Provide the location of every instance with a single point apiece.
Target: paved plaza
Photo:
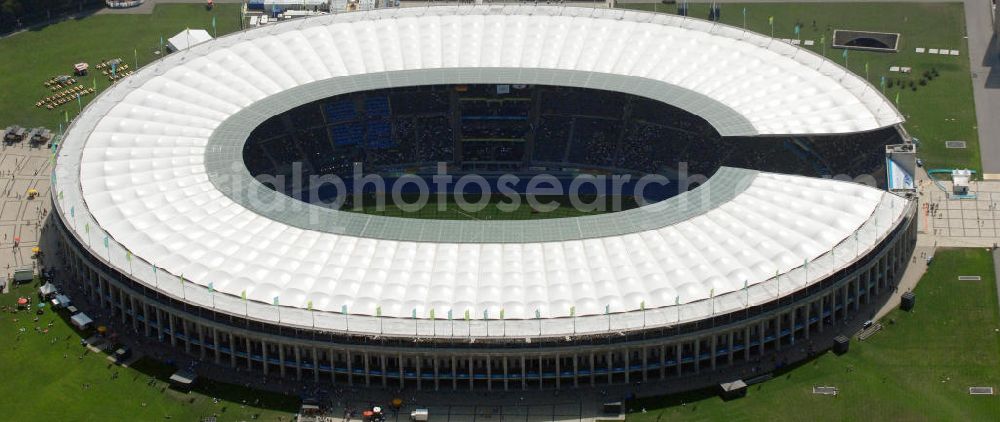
(945, 221)
(22, 168)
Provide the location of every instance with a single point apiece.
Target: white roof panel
(143, 155)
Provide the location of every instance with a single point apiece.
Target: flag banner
(275, 301)
(413, 313)
(432, 314)
(572, 311)
(378, 311)
(309, 305)
(466, 314)
(343, 309)
(211, 287)
(243, 294)
(538, 314)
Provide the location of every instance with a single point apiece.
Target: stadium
(167, 224)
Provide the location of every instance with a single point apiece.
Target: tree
(11, 7)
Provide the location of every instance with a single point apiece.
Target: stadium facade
(166, 227)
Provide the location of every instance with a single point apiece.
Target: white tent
(47, 289)
(60, 301)
(187, 38)
(81, 321)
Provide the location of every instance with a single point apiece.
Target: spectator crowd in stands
(478, 126)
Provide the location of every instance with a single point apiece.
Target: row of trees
(17, 14)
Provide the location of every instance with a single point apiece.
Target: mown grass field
(32, 57)
(919, 367)
(942, 110)
(50, 376)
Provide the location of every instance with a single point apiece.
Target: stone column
(697, 356)
(714, 345)
(541, 373)
(628, 365)
(576, 370)
(263, 347)
(419, 368)
(201, 339)
(333, 366)
(679, 358)
(368, 374)
(350, 367)
(399, 363)
(645, 364)
(173, 332)
(746, 343)
(558, 372)
(298, 363)
(663, 361)
(215, 346)
(249, 355)
(777, 332)
(506, 374)
(437, 376)
(489, 373)
(315, 356)
(611, 366)
(524, 373)
(592, 377)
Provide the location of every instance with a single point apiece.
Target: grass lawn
(940, 111)
(918, 368)
(33, 57)
(44, 377)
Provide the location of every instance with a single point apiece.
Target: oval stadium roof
(137, 173)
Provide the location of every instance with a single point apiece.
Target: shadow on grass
(690, 399)
(149, 367)
(219, 390)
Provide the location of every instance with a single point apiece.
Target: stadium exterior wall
(485, 364)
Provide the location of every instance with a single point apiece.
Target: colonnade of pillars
(553, 367)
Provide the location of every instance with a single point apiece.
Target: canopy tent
(81, 321)
(183, 379)
(60, 301)
(47, 289)
(187, 38)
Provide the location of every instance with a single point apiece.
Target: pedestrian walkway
(22, 168)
